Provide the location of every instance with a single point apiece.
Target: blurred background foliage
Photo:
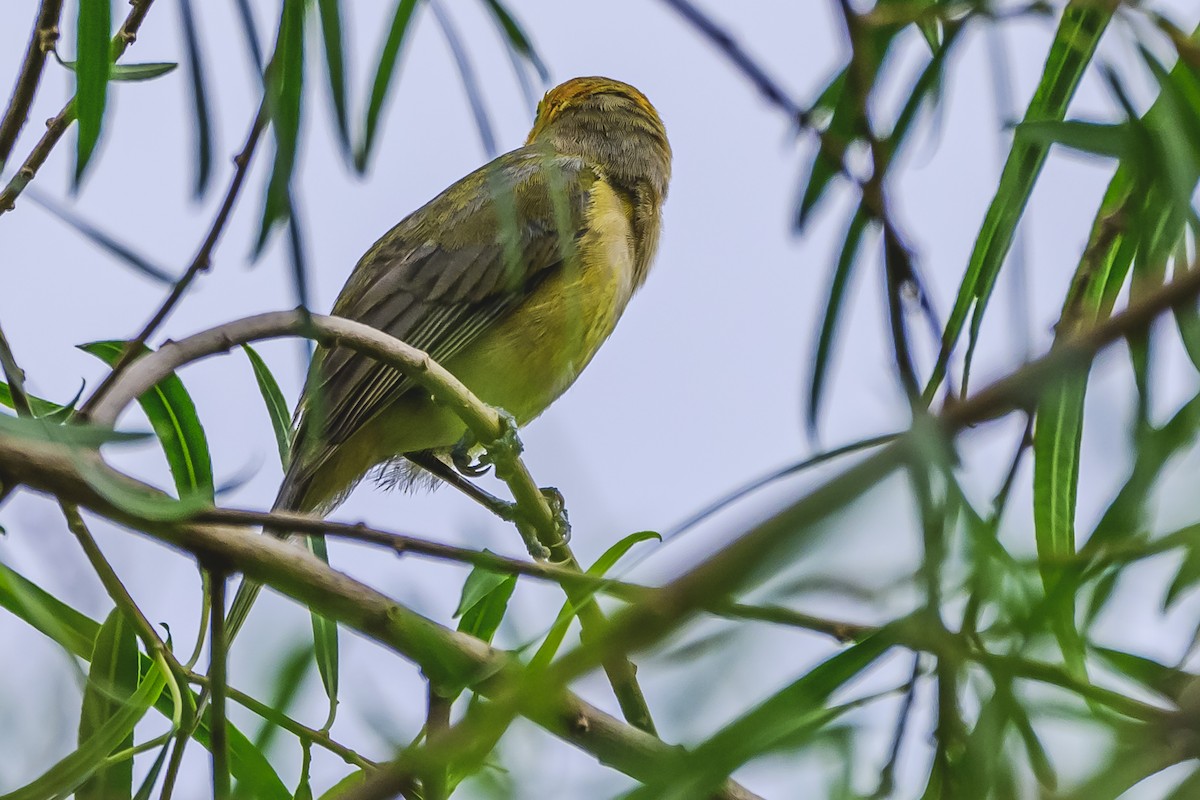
(981, 666)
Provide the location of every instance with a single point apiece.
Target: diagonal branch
(445, 656)
(57, 126)
(45, 32)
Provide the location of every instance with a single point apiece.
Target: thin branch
(41, 41)
(57, 126)
(200, 263)
(218, 661)
(445, 656)
(745, 63)
(531, 505)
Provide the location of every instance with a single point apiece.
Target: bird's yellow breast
(534, 353)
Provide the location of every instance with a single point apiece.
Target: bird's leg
(558, 507)
(460, 455)
(429, 462)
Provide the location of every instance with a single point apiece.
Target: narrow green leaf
(786, 719)
(479, 584)
(112, 680)
(1185, 579)
(1169, 682)
(518, 40)
(70, 772)
(144, 504)
(1109, 140)
(146, 790)
(335, 67)
(200, 113)
(88, 437)
(77, 633)
(285, 89)
(41, 408)
(344, 785)
(277, 409)
(384, 73)
(1058, 432)
(132, 73)
(483, 617)
(833, 309)
(288, 681)
(93, 25)
(173, 416)
(558, 631)
(1078, 33)
(325, 636)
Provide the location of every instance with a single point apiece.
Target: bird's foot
(460, 456)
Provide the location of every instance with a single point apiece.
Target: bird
(511, 279)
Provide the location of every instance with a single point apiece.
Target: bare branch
(45, 32)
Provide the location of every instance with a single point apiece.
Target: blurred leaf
(1113, 141)
(785, 720)
(93, 24)
(833, 309)
(518, 40)
(1187, 789)
(112, 680)
(344, 785)
(384, 73)
(138, 502)
(1101, 594)
(825, 165)
(277, 409)
(466, 73)
(203, 122)
(88, 437)
(119, 250)
(70, 772)
(1074, 43)
(173, 416)
(1185, 579)
(1188, 321)
(77, 633)
(287, 684)
(1163, 680)
(146, 790)
(285, 89)
(335, 68)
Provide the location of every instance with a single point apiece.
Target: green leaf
(88, 437)
(146, 790)
(484, 601)
(344, 785)
(518, 40)
(173, 416)
(1056, 441)
(203, 122)
(277, 409)
(285, 90)
(1078, 33)
(1185, 579)
(785, 720)
(1112, 141)
(325, 636)
(77, 633)
(478, 585)
(41, 408)
(562, 622)
(131, 73)
(137, 501)
(112, 680)
(70, 772)
(388, 58)
(93, 25)
(833, 309)
(1166, 681)
(335, 67)
(287, 684)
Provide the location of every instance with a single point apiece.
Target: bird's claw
(460, 456)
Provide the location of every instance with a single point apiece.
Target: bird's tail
(292, 496)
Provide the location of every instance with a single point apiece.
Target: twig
(887, 778)
(485, 423)
(446, 656)
(757, 74)
(200, 263)
(57, 126)
(437, 722)
(45, 32)
(217, 656)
